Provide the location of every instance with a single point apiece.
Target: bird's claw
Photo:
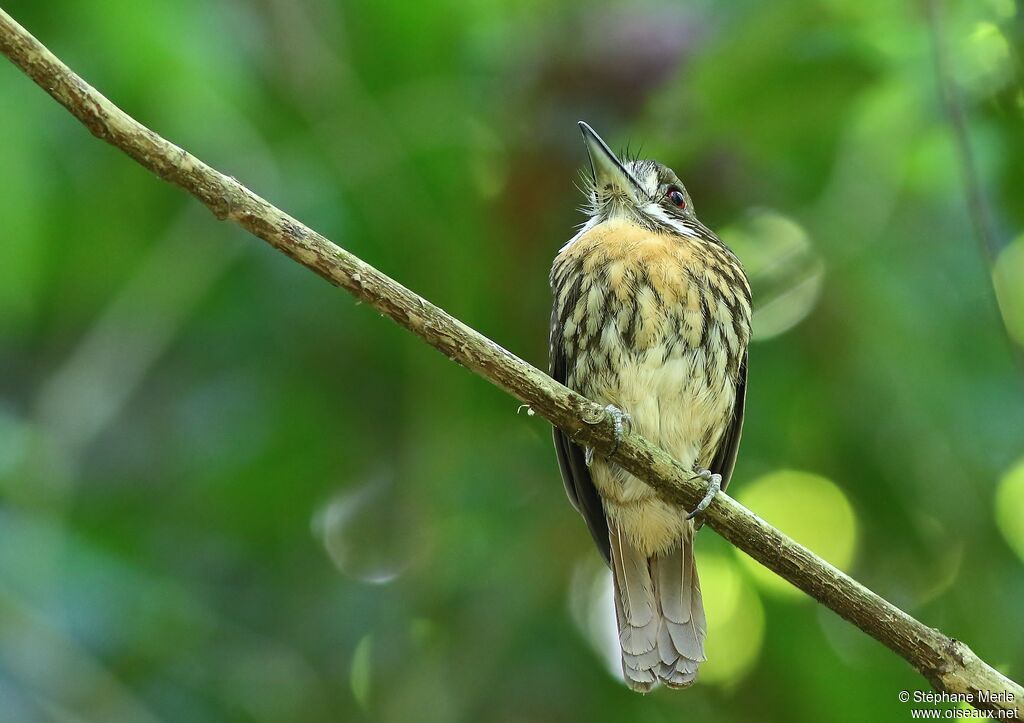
(714, 487)
(619, 419)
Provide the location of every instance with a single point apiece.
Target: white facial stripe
(646, 176)
(657, 212)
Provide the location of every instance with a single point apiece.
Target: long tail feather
(659, 611)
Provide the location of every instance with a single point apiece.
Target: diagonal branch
(947, 663)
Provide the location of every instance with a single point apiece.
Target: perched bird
(652, 318)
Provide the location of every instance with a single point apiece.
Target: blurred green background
(230, 493)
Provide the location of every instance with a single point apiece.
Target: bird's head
(642, 191)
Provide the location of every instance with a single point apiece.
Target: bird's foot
(714, 487)
(620, 419)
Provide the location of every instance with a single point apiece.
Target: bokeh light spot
(809, 508)
(943, 568)
(593, 611)
(984, 58)
(735, 621)
(359, 678)
(1008, 278)
(369, 532)
(1009, 506)
(785, 271)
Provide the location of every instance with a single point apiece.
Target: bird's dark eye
(676, 196)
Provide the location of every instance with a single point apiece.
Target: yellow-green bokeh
(809, 508)
(1008, 278)
(984, 55)
(1009, 506)
(361, 671)
(735, 621)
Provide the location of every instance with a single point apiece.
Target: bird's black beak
(610, 176)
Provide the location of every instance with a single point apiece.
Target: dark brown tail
(660, 613)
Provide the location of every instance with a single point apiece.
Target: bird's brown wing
(725, 457)
(572, 462)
